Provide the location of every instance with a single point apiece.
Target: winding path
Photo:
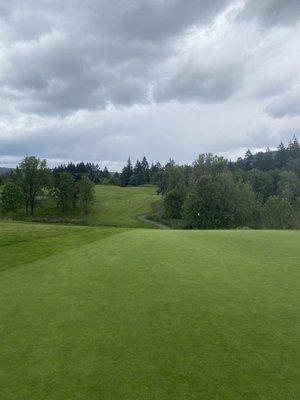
(143, 218)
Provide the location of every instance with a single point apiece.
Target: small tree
(11, 196)
(63, 189)
(31, 176)
(86, 193)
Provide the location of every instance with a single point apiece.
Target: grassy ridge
(146, 314)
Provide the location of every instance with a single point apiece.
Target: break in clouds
(99, 80)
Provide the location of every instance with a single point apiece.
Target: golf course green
(121, 313)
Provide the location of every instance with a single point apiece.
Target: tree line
(131, 175)
(32, 181)
(259, 190)
(92, 171)
(140, 174)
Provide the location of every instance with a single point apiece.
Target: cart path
(143, 217)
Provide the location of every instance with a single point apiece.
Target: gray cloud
(287, 105)
(156, 19)
(102, 79)
(272, 12)
(85, 55)
(214, 83)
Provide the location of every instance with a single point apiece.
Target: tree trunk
(31, 208)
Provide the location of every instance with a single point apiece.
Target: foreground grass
(22, 243)
(114, 206)
(146, 314)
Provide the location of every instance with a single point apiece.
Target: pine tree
(294, 148)
(138, 174)
(281, 156)
(249, 159)
(145, 168)
(105, 173)
(126, 173)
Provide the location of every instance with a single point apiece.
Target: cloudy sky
(99, 80)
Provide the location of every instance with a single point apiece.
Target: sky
(101, 80)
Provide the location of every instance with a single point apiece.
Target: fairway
(120, 206)
(110, 313)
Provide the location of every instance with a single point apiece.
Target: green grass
(107, 313)
(119, 206)
(22, 243)
(114, 206)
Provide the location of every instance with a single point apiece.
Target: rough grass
(114, 206)
(147, 314)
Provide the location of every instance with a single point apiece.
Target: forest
(261, 190)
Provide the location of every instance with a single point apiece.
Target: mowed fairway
(120, 206)
(148, 314)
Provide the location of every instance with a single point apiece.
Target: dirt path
(159, 225)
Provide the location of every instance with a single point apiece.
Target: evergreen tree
(115, 179)
(248, 160)
(105, 173)
(281, 156)
(155, 172)
(264, 160)
(294, 148)
(126, 173)
(146, 172)
(138, 174)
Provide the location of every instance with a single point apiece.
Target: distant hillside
(4, 170)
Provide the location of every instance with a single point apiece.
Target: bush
(11, 197)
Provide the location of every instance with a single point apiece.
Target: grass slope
(146, 314)
(120, 206)
(114, 206)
